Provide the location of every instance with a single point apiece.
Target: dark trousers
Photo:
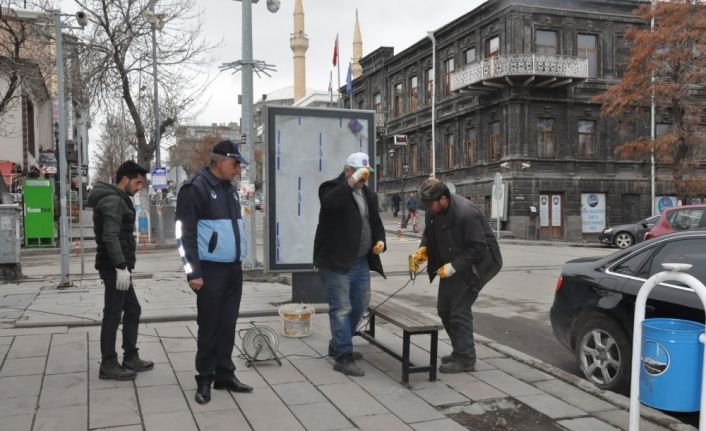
(410, 214)
(118, 303)
(454, 304)
(218, 303)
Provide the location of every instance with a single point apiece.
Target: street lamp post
(63, 168)
(247, 66)
(63, 221)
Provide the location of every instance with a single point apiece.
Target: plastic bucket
(671, 364)
(296, 319)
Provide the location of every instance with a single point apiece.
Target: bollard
(672, 273)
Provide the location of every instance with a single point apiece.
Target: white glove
(122, 281)
(446, 271)
(361, 174)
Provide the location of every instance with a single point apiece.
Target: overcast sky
(396, 23)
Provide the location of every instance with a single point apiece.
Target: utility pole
(63, 221)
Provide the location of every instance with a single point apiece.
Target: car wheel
(623, 240)
(603, 354)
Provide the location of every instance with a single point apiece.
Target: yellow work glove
(416, 258)
(379, 247)
(446, 271)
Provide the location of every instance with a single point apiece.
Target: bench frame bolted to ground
(412, 323)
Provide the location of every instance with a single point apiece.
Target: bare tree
(24, 56)
(115, 146)
(193, 154)
(667, 65)
(117, 62)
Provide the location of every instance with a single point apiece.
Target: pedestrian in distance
(349, 240)
(411, 208)
(211, 242)
(396, 201)
(113, 226)
(462, 250)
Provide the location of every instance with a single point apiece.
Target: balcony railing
(521, 69)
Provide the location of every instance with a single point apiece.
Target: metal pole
(63, 222)
(430, 34)
(671, 273)
(80, 193)
(653, 127)
(247, 84)
(158, 162)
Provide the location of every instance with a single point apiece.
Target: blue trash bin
(670, 366)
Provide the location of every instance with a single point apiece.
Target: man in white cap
(349, 239)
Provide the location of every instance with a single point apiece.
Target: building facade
(514, 82)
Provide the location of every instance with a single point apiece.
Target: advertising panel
(592, 212)
(306, 147)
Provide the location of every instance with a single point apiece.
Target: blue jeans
(348, 298)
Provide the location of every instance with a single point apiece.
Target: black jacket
(467, 240)
(114, 226)
(340, 225)
(209, 226)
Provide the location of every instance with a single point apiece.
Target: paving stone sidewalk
(164, 296)
(49, 381)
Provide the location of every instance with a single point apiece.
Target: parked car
(592, 313)
(625, 235)
(677, 219)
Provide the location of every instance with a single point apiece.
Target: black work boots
(112, 370)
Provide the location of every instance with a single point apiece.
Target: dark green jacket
(114, 226)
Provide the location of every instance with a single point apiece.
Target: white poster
(592, 212)
(544, 210)
(556, 210)
(305, 148)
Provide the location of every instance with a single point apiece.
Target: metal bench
(412, 323)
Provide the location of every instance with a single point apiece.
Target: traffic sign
(159, 178)
(498, 191)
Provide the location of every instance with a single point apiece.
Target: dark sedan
(625, 235)
(593, 308)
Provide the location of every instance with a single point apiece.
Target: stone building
(513, 87)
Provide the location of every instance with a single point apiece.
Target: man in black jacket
(456, 240)
(113, 225)
(211, 240)
(349, 239)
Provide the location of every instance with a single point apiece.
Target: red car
(677, 219)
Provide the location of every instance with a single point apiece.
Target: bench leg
(371, 325)
(432, 354)
(405, 356)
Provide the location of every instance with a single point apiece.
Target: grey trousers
(454, 302)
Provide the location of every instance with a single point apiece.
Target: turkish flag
(335, 51)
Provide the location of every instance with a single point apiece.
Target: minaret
(356, 68)
(299, 44)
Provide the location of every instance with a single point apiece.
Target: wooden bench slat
(405, 317)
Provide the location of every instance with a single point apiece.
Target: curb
(618, 400)
(83, 322)
(25, 252)
(515, 241)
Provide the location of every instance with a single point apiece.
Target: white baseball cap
(358, 160)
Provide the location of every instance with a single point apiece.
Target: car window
(685, 219)
(632, 265)
(650, 221)
(692, 250)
